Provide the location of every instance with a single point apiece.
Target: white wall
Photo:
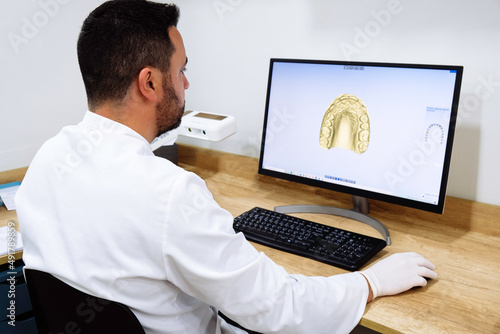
(229, 43)
(40, 89)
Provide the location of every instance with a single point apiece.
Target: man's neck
(135, 117)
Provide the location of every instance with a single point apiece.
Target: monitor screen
(376, 130)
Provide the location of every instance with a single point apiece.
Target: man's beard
(170, 109)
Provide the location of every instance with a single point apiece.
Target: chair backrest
(60, 308)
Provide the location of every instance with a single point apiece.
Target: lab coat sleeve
(207, 260)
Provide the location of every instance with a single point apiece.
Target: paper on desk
(7, 196)
(165, 139)
(10, 242)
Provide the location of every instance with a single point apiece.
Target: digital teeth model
(346, 125)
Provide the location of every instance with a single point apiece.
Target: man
(99, 211)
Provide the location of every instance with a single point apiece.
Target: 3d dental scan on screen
(347, 117)
(374, 130)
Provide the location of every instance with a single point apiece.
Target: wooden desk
(464, 244)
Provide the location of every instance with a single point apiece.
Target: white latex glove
(398, 273)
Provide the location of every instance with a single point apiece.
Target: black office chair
(59, 307)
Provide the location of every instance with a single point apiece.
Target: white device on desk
(196, 124)
(207, 125)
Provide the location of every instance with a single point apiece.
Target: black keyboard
(334, 246)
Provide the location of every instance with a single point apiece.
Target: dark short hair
(117, 40)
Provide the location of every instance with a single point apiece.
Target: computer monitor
(381, 131)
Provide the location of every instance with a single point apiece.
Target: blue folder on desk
(8, 185)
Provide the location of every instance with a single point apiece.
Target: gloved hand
(398, 273)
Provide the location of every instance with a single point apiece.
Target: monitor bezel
(439, 208)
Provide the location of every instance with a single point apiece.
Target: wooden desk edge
(377, 326)
(5, 258)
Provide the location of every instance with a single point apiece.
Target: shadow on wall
(464, 162)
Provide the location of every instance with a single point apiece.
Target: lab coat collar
(97, 122)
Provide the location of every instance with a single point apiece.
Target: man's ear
(149, 81)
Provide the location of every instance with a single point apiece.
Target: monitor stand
(359, 212)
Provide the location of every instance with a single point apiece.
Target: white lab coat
(98, 210)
